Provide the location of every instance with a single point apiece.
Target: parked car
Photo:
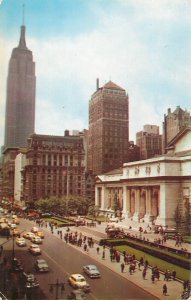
(92, 271)
(77, 281)
(20, 241)
(29, 280)
(41, 265)
(36, 240)
(28, 235)
(17, 265)
(77, 295)
(34, 249)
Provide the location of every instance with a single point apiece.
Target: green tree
(187, 218)
(116, 206)
(178, 218)
(64, 205)
(93, 210)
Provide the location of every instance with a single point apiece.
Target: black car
(41, 265)
(29, 280)
(17, 265)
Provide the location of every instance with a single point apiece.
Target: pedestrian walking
(164, 289)
(103, 254)
(144, 273)
(153, 278)
(97, 249)
(174, 275)
(122, 267)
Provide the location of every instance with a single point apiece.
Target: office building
(54, 167)
(149, 141)
(108, 138)
(20, 102)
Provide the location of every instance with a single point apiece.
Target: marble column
(148, 217)
(136, 214)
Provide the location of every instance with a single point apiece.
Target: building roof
(112, 86)
(178, 110)
(115, 171)
(178, 136)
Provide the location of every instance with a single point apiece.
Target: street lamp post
(57, 285)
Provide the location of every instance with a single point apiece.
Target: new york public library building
(149, 190)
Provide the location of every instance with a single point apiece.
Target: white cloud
(119, 50)
(50, 120)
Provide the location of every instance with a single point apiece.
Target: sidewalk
(174, 288)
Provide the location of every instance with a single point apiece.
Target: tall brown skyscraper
(108, 128)
(20, 102)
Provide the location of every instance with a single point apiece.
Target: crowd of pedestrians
(127, 262)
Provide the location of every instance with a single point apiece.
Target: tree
(64, 205)
(116, 206)
(178, 218)
(187, 218)
(93, 210)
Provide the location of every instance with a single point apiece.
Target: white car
(92, 271)
(77, 281)
(34, 249)
(21, 242)
(28, 235)
(36, 240)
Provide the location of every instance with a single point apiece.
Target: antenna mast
(23, 14)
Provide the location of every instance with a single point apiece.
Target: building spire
(22, 42)
(23, 15)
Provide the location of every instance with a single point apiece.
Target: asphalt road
(63, 260)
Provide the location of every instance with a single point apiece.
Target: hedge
(173, 258)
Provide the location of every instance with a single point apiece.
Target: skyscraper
(20, 102)
(173, 123)
(108, 128)
(149, 141)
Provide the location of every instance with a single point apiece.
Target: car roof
(77, 276)
(91, 266)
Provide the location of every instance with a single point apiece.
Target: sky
(144, 46)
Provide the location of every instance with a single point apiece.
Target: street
(64, 259)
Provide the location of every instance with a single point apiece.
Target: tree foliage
(64, 205)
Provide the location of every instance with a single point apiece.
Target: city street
(63, 260)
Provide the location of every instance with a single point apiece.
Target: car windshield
(81, 280)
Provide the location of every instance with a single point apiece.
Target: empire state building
(21, 90)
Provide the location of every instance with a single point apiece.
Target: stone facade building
(108, 140)
(173, 123)
(54, 167)
(8, 173)
(149, 141)
(134, 151)
(152, 189)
